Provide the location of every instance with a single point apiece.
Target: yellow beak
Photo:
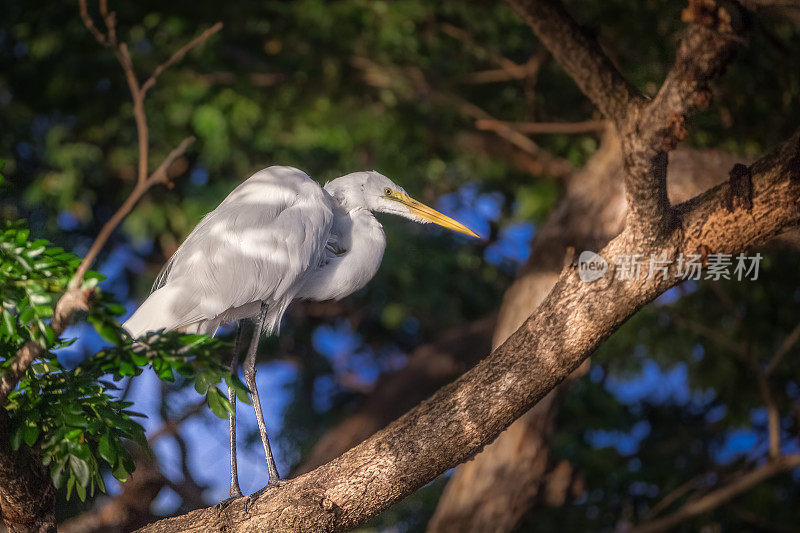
(430, 214)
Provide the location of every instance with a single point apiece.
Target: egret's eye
(387, 191)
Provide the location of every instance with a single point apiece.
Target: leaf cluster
(76, 419)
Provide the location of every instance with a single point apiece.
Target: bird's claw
(221, 506)
(251, 499)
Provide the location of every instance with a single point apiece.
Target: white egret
(278, 237)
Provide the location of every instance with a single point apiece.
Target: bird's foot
(273, 483)
(227, 501)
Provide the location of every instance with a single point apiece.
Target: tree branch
(177, 56)
(655, 129)
(581, 57)
(784, 348)
(722, 495)
(527, 71)
(586, 126)
(773, 416)
(159, 176)
(648, 130)
(462, 417)
(509, 70)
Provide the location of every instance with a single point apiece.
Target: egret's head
(374, 191)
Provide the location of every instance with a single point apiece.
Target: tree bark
(26, 494)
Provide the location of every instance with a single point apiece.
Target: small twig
(110, 20)
(398, 79)
(159, 176)
(773, 416)
(672, 497)
(710, 333)
(581, 57)
(511, 69)
(722, 495)
(543, 127)
(177, 56)
(787, 344)
(527, 71)
(89, 23)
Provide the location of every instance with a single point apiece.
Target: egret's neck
(348, 191)
(358, 240)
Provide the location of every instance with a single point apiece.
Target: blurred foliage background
(334, 87)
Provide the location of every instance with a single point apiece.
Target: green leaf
(17, 437)
(241, 390)
(70, 485)
(115, 309)
(108, 331)
(81, 470)
(201, 383)
(100, 483)
(80, 489)
(27, 315)
(218, 403)
(57, 472)
(120, 473)
(107, 449)
(9, 325)
(31, 434)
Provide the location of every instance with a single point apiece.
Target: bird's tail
(165, 308)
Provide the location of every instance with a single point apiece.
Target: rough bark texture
(27, 495)
(462, 417)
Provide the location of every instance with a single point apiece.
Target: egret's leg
(236, 492)
(250, 380)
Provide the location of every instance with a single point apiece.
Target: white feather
(278, 236)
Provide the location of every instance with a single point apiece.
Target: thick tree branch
(655, 129)
(722, 495)
(649, 130)
(581, 57)
(464, 416)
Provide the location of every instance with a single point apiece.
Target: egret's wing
(163, 274)
(256, 246)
